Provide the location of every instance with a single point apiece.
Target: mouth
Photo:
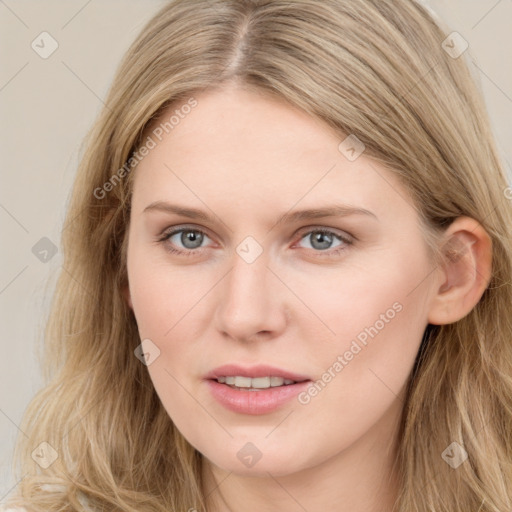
(242, 383)
(254, 390)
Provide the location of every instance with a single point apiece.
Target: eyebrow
(337, 210)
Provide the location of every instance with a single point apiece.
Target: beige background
(46, 106)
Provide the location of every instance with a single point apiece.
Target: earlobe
(465, 273)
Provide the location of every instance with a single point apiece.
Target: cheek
(339, 304)
(149, 304)
(168, 303)
(163, 305)
(161, 294)
(361, 382)
(379, 318)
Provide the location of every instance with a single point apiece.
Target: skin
(248, 159)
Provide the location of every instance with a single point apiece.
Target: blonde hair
(373, 69)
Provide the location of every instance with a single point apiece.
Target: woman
(287, 275)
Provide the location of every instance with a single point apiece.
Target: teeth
(243, 382)
(260, 382)
(255, 383)
(276, 381)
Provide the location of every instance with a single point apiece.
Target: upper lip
(234, 370)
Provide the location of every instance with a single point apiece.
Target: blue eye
(189, 241)
(322, 239)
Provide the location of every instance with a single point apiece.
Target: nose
(251, 302)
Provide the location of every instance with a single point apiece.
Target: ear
(126, 295)
(465, 273)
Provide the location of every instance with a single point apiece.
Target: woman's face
(272, 277)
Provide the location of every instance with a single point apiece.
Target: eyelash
(193, 252)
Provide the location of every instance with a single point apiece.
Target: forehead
(257, 151)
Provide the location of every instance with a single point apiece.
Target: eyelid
(172, 230)
(344, 235)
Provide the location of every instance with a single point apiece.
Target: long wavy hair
(378, 69)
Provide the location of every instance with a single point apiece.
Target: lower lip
(255, 402)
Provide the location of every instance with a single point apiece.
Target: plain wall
(47, 106)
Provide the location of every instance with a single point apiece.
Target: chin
(247, 461)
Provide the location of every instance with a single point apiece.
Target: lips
(254, 372)
(254, 390)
